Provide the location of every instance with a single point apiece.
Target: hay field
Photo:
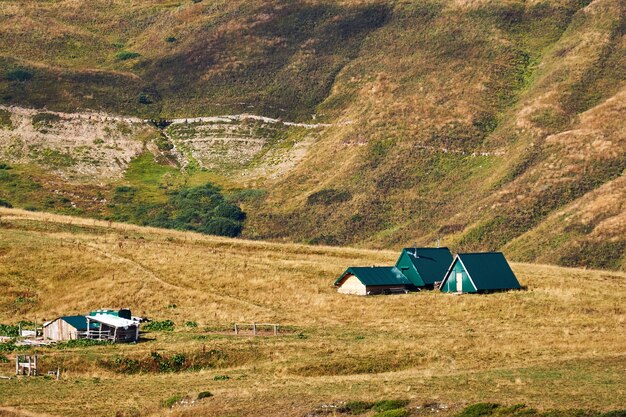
(559, 344)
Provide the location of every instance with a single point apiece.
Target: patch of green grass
(388, 405)
(356, 407)
(43, 121)
(172, 401)
(126, 55)
(204, 394)
(399, 412)
(19, 74)
(5, 119)
(159, 326)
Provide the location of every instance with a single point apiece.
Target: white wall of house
(352, 285)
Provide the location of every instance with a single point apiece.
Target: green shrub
(4, 203)
(172, 401)
(159, 326)
(5, 119)
(201, 209)
(9, 330)
(125, 55)
(5, 166)
(386, 405)
(163, 143)
(191, 324)
(478, 410)
(45, 120)
(229, 211)
(3, 359)
(144, 98)
(19, 74)
(170, 39)
(356, 407)
(222, 227)
(399, 412)
(204, 394)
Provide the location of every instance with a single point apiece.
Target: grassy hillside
(556, 345)
(478, 122)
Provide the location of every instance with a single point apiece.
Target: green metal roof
(376, 275)
(430, 263)
(489, 271)
(123, 313)
(78, 322)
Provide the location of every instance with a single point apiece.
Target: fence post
(254, 329)
(17, 365)
(275, 330)
(236, 330)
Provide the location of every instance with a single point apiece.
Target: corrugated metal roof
(111, 320)
(489, 271)
(376, 275)
(78, 322)
(431, 263)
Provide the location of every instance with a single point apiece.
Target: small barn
(372, 280)
(112, 327)
(479, 272)
(66, 328)
(424, 266)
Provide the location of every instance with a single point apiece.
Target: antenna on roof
(438, 242)
(415, 250)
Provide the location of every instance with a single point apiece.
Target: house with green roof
(372, 280)
(479, 273)
(424, 266)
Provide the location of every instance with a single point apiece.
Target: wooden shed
(424, 266)
(372, 280)
(479, 272)
(65, 328)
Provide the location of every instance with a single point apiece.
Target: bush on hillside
(5, 120)
(172, 401)
(4, 203)
(19, 74)
(45, 120)
(356, 407)
(204, 394)
(202, 209)
(125, 55)
(160, 326)
(9, 330)
(387, 405)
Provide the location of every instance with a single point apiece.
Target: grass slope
(474, 121)
(559, 344)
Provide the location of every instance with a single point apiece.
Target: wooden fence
(257, 327)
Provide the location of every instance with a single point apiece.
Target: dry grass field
(560, 344)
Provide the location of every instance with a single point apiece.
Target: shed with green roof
(424, 266)
(372, 280)
(67, 328)
(479, 272)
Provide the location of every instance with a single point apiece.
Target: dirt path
(242, 117)
(156, 277)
